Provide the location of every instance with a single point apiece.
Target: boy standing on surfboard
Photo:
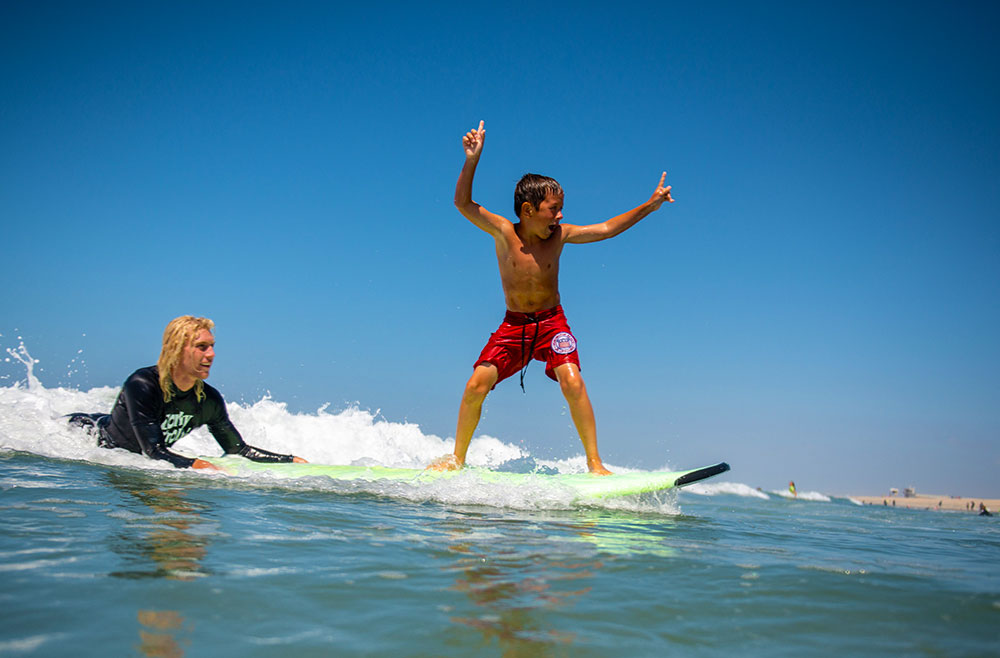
(534, 327)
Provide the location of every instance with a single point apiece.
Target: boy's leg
(484, 377)
(575, 392)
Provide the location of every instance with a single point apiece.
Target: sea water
(103, 552)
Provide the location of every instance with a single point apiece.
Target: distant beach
(932, 502)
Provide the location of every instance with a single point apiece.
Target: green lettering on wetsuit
(175, 427)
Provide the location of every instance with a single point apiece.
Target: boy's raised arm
(472, 142)
(616, 225)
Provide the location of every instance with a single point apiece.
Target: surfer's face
(196, 360)
(545, 219)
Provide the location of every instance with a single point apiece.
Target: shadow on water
(526, 573)
(159, 540)
(511, 588)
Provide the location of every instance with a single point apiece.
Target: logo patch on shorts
(563, 343)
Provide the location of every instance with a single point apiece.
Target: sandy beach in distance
(932, 502)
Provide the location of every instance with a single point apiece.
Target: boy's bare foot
(445, 463)
(598, 469)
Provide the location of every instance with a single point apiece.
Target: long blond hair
(178, 335)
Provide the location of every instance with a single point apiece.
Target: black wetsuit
(142, 422)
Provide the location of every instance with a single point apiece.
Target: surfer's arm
(150, 439)
(490, 222)
(621, 223)
(143, 403)
(261, 455)
(229, 438)
(233, 444)
(244, 449)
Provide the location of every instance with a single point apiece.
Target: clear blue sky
(820, 303)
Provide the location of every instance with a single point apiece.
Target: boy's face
(546, 217)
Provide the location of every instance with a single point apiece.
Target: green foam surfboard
(583, 484)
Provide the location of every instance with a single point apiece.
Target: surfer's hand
(661, 194)
(298, 460)
(446, 463)
(201, 463)
(472, 142)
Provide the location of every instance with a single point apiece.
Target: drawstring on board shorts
(529, 355)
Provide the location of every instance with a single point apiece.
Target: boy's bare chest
(530, 260)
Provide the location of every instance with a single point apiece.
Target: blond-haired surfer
(161, 404)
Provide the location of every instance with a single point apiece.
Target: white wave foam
(812, 496)
(32, 419)
(733, 488)
(27, 644)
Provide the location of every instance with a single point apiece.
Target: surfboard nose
(701, 474)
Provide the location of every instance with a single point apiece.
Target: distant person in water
(161, 404)
(534, 326)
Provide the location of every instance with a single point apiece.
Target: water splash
(32, 420)
(22, 355)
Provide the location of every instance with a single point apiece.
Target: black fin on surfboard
(701, 474)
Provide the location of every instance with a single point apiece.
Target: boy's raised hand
(661, 194)
(473, 142)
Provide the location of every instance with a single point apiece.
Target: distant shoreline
(931, 502)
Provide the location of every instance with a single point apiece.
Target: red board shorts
(544, 335)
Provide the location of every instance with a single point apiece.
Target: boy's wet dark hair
(533, 188)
